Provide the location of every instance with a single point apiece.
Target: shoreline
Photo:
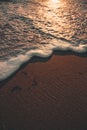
(43, 59)
(46, 93)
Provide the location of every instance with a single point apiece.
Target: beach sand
(49, 94)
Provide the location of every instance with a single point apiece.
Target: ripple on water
(29, 28)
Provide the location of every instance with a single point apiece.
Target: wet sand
(49, 95)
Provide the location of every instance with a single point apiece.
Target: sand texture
(46, 95)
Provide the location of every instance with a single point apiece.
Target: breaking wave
(30, 29)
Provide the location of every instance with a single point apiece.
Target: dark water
(37, 27)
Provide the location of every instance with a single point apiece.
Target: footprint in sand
(16, 89)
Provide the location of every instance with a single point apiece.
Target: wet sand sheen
(46, 95)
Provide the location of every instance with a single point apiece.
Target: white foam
(8, 67)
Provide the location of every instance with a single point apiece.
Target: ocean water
(38, 27)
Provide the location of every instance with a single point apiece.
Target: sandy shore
(49, 95)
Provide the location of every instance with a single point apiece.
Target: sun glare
(54, 1)
(53, 4)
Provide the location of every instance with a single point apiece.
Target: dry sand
(49, 95)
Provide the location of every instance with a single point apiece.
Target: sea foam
(34, 28)
(8, 67)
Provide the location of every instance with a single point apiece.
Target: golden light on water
(49, 2)
(53, 4)
(54, 1)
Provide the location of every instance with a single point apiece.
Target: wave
(31, 28)
(9, 66)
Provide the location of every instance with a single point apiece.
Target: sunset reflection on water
(61, 18)
(36, 24)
